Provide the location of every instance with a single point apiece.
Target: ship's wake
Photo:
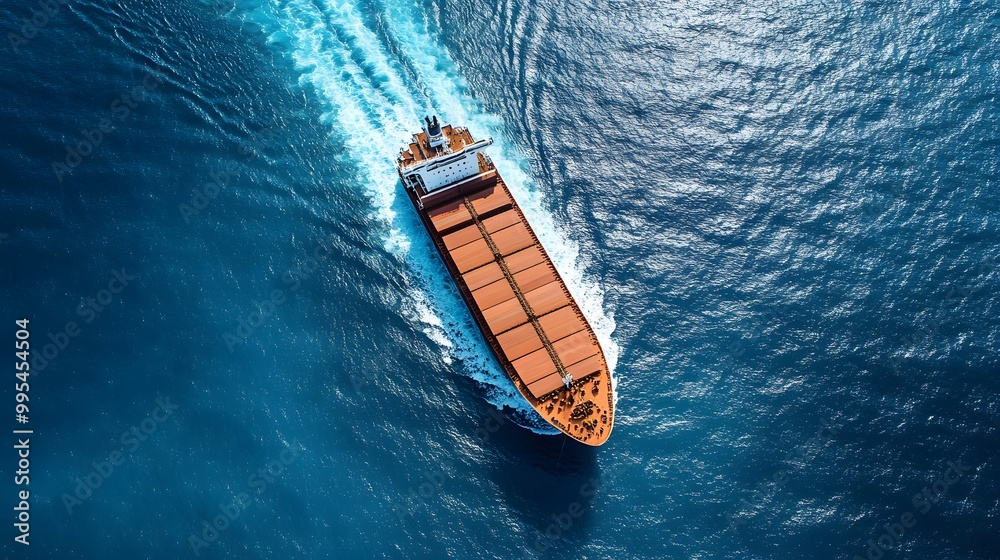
(378, 69)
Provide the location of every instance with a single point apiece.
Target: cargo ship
(526, 314)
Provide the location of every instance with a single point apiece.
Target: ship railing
(485, 163)
(454, 190)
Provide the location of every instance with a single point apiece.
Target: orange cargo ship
(521, 304)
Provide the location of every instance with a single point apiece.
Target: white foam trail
(447, 90)
(374, 111)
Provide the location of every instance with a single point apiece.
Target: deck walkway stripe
(498, 256)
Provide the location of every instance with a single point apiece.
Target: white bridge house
(450, 159)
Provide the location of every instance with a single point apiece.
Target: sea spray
(373, 96)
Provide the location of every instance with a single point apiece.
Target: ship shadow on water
(552, 482)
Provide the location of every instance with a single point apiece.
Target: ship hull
(528, 318)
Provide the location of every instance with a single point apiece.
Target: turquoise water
(781, 220)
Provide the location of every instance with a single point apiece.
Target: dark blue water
(781, 218)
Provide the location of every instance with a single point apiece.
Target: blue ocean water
(782, 219)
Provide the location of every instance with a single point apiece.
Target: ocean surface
(783, 219)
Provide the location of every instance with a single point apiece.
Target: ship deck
(420, 150)
(526, 313)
